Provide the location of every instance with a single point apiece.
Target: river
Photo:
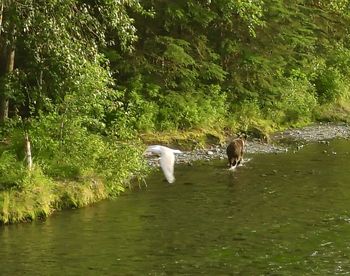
(279, 214)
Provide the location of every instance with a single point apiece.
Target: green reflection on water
(284, 214)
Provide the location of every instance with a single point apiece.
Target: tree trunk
(28, 151)
(7, 61)
(1, 12)
(8, 65)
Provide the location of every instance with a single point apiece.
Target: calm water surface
(284, 214)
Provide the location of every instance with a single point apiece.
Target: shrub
(243, 114)
(35, 198)
(329, 85)
(203, 108)
(295, 104)
(67, 150)
(12, 172)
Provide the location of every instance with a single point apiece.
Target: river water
(279, 214)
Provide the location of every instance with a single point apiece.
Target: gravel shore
(280, 142)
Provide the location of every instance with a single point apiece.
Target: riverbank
(48, 196)
(279, 142)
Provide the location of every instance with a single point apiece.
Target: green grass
(41, 196)
(334, 112)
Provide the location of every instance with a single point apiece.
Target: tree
(7, 53)
(51, 39)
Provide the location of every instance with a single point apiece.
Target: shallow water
(279, 214)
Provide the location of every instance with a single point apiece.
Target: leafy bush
(336, 112)
(142, 113)
(248, 117)
(244, 114)
(204, 108)
(67, 150)
(295, 104)
(12, 172)
(119, 164)
(329, 85)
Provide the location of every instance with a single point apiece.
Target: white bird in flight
(167, 159)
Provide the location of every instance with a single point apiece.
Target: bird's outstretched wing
(167, 161)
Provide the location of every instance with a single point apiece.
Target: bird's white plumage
(167, 160)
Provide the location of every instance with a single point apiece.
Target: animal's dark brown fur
(235, 151)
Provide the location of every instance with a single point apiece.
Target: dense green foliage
(85, 78)
(201, 64)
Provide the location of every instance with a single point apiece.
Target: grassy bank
(255, 123)
(42, 196)
(72, 167)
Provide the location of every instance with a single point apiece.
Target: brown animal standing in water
(235, 151)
